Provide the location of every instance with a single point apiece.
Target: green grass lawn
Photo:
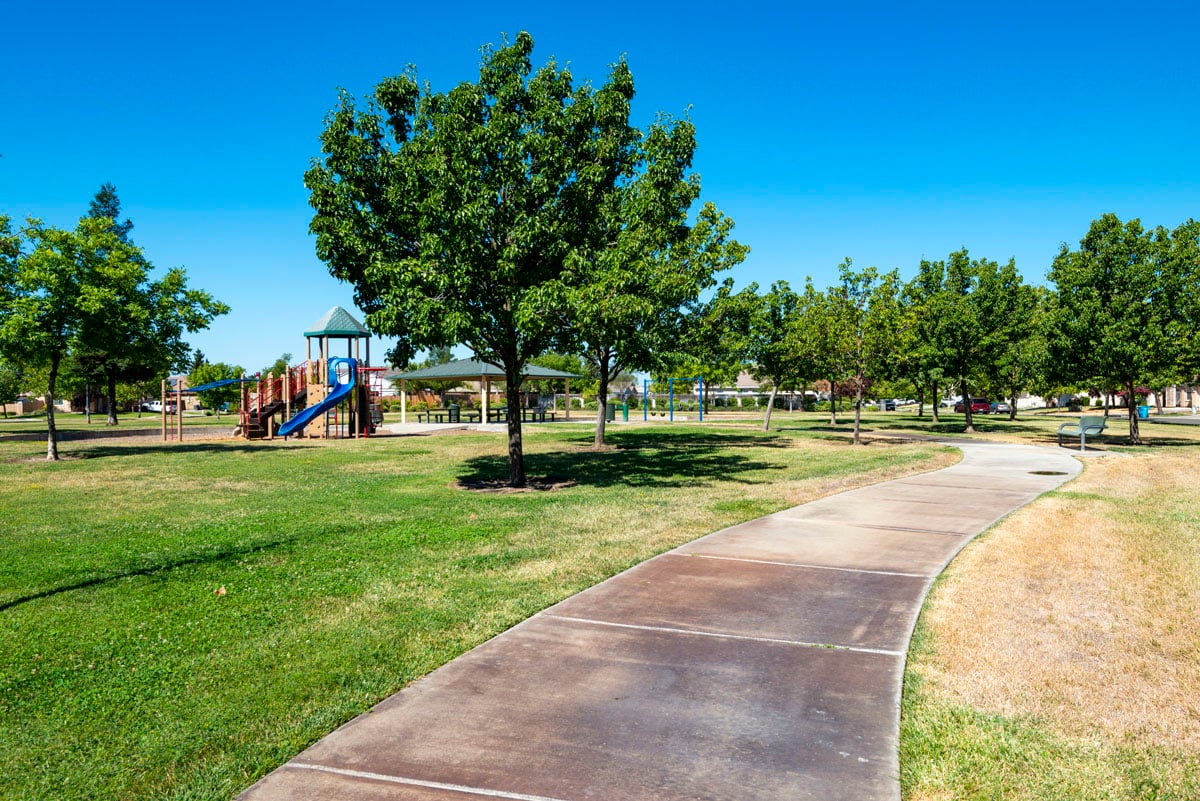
(178, 619)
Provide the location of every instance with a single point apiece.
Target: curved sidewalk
(760, 663)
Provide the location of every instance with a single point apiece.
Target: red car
(978, 406)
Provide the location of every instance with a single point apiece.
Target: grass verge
(1058, 657)
(178, 619)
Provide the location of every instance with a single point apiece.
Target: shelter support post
(403, 401)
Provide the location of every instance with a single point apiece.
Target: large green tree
(454, 215)
(134, 326)
(51, 287)
(1118, 321)
(966, 318)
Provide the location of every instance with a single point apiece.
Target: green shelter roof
(337, 322)
(468, 369)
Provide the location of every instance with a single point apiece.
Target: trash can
(610, 412)
(1143, 412)
(452, 414)
(625, 412)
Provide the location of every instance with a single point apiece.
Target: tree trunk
(770, 406)
(1012, 409)
(601, 403)
(935, 404)
(962, 388)
(112, 401)
(858, 395)
(516, 457)
(1135, 436)
(832, 404)
(921, 402)
(51, 430)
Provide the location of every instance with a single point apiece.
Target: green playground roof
(337, 322)
(472, 368)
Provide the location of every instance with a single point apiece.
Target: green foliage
(479, 215)
(586, 384)
(278, 367)
(11, 383)
(970, 314)
(1125, 306)
(208, 373)
(134, 326)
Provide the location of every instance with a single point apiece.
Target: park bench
(1088, 425)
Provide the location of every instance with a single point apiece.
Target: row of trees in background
(84, 302)
(1122, 310)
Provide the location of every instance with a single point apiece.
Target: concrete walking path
(760, 663)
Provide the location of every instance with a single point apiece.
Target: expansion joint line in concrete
(721, 636)
(454, 788)
(804, 566)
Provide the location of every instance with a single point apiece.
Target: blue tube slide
(343, 385)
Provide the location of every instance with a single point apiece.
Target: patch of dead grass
(1081, 609)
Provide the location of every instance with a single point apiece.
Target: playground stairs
(258, 420)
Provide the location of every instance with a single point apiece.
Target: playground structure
(333, 396)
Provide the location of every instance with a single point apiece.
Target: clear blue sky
(885, 132)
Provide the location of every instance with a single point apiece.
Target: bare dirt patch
(500, 485)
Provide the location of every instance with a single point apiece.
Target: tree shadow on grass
(146, 449)
(659, 459)
(208, 556)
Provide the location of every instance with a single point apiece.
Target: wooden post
(162, 409)
(567, 414)
(179, 408)
(403, 401)
(486, 384)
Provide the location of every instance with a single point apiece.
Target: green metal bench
(1090, 425)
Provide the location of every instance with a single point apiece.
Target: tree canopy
(1121, 317)
(476, 216)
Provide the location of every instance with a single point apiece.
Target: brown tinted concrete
(760, 662)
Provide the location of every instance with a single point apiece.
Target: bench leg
(1082, 442)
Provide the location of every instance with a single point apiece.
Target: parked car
(1000, 407)
(157, 406)
(978, 406)
(888, 405)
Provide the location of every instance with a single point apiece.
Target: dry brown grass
(1081, 610)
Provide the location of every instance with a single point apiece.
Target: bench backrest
(1091, 421)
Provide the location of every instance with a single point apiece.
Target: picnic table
(500, 415)
(448, 416)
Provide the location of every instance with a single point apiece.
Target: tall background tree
(455, 215)
(12, 380)
(965, 320)
(870, 324)
(208, 373)
(1115, 324)
(133, 328)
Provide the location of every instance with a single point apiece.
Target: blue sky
(884, 132)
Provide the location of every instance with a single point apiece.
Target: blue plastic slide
(342, 385)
